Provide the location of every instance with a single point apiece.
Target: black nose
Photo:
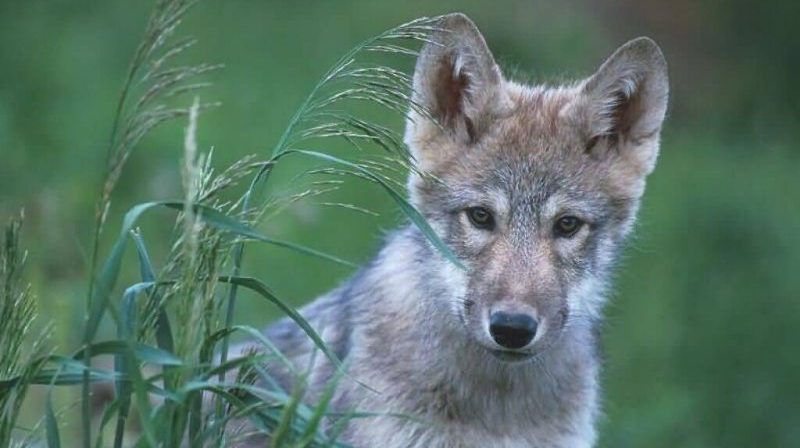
(512, 330)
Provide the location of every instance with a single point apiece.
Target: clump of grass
(17, 313)
(171, 351)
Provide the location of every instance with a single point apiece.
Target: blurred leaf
(144, 353)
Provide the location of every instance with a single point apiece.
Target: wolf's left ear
(627, 100)
(458, 84)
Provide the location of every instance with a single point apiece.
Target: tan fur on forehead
(539, 108)
(535, 115)
(543, 128)
(604, 129)
(531, 128)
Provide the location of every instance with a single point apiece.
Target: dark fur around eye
(567, 226)
(480, 217)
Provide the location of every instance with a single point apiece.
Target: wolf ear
(456, 82)
(627, 101)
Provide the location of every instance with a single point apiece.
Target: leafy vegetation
(172, 326)
(699, 338)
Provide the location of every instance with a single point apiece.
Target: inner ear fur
(626, 101)
(457, 82)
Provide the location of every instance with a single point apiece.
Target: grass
(172, 368)
(17, 310)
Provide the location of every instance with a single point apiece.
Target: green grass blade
(224, 222)
(67, 377)
(409, 210)
(164, 337)
(68, 371)
(280, 436)
(126, 331)
(109, 274)
(141, 391)
(105, 283)
(51, 424)
(145, 265)
(108, 413)
(257, 335)
(320, 411)
(143, 352)
(257, 286)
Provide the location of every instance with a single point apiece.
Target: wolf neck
(411, 323)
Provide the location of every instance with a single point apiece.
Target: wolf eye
(567, 226)
(480, 218)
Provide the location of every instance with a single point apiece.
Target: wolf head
(534, 188)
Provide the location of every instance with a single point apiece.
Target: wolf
(534, 189)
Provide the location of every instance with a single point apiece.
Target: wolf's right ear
(456, 82)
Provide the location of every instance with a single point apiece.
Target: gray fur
(412, 326)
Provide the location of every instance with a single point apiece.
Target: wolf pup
(534, 188)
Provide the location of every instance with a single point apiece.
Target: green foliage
(17, 312)
(177, 318)
(699, 339)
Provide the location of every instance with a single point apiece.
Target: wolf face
(533, 187)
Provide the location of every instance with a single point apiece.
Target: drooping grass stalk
(398, 86)
(183, 312)
(148, 71)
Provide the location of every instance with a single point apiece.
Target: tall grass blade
(262, 289)
(51, 424)
(133, 119)
(164, 337)
(409, 210)
(224, 222)
(143, 352)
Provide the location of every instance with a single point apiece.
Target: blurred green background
(701, 343)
